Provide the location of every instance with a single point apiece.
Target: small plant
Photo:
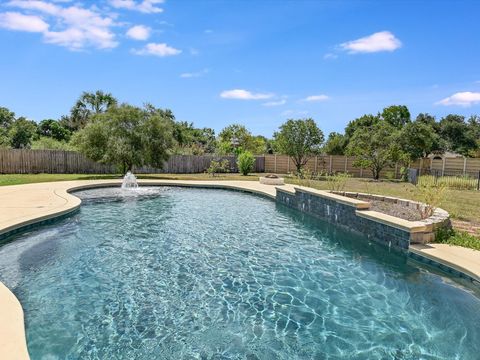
(338, 181)
(305, 177)
(432, 195)
(217, 167)
(452, 237)
(246, 162)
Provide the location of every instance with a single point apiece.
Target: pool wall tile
(345, 215)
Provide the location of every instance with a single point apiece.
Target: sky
(253, 62)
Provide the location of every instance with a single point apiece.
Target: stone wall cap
(402, 224)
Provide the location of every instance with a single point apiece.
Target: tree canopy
(127, 136)
(300, 139)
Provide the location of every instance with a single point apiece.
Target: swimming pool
(176, 273)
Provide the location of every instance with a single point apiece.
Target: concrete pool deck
(23, 205)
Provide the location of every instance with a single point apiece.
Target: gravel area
(398, 210)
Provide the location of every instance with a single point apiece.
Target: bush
(452, 237)
(216, 167)
(338, 181)
(246, 162)
(432, 196)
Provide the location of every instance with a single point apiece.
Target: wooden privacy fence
(20, 161)
(282, 164)
(448, 166)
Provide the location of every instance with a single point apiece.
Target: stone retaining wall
(354, 214)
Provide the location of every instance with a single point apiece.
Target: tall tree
(396, 115)
(455, 131)
(89, 104)
(418, 139)
(7, 117)
(22, 132)
(237, 138)
(53, 129)
(301, 139)
(127, 136)
(376, 148)
(335, 144)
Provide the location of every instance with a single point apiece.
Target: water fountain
(129, 181)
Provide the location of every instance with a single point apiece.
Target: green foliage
(338, 181)
(452, 182)
(49, 143)
(300, 139)
(53, 129)
(419, 139)
(375, 147)
(335, 144)
(246, 163)
(127, 136)
(87, 105)
(193, 141)
(7, 118)
(21, 133)
(432, 195)
(457, 135)
(364, 122)
(243, 139)
(396, 115)
(458, 238)
(218, 166)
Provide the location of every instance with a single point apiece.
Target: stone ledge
(402, 224)
(358, 204)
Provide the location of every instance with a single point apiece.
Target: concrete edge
(449, 264)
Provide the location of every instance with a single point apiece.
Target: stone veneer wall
(439, 219)
(345, 215)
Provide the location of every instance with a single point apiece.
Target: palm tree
(89, 104)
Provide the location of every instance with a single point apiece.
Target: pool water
(175, 273)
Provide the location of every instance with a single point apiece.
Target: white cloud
(156, 49)
(194, 74)
(20, 22)
(145, 6)
(466, 98)
(330, 56)
(139, 32)
(240, 94)
(380, 41)
(75, 27)
(316, 98)
(275, 103)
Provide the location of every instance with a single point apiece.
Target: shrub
(338, 181)
(246, 162)
(216, 167)
(432, 196)
(452, 237)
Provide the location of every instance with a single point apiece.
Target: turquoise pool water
(174, 273)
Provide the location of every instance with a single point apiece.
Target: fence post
(478, 181)
(464, 166)
(396, 170)
(275, 164)
(316, 164)
(361, 172)
(346, 162)
(288, 164)
(330, 166)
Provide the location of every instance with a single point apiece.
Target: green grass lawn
(463, 205)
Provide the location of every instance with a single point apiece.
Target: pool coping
(57, 201)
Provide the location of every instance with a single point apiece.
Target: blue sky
(251, 62)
